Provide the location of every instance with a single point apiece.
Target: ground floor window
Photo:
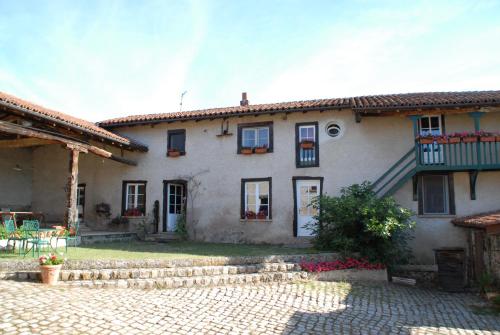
(256, 199)
(436, 194)
(134, 198)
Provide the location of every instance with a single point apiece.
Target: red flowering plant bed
(349, 263)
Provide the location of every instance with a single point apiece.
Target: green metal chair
(13, 235)
(31, 230)
(71, 234)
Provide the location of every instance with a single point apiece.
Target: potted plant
(425, 139)
(307, 144)
(250, 215)
(261, 215)
(261, 150)
(50, 267)
(486, 136)
(246, 150)
(441, 139)
(469, 137)
(173, 152)
(454, 138)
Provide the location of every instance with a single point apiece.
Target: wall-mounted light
(17, 168)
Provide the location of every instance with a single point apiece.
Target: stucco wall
(15, 186)
(364, 152)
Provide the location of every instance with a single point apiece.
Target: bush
(181, 226)
(358, 221)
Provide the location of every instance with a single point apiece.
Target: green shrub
(181, 226)
(358, 221)
(3, 232)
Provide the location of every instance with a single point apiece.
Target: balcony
(448, 153)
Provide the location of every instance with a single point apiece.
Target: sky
(103, 59)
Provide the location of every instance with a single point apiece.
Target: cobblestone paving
(293, 308)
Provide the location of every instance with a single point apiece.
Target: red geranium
(349, 263)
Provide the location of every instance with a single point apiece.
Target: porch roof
(483, 220)
(52, 116)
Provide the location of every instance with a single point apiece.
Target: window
(134, 198)
(333, 130)
(256, 199)
(436, 195)
(255, 135)
(176, 142)
(307, 145)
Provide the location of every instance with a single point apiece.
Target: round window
(333, 130)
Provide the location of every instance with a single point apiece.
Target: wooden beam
(25, 142)
(71, 211)
(70, 144)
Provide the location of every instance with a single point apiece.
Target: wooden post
(71, 214)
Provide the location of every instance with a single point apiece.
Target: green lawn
(171, 250)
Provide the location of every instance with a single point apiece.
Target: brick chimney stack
(244, 100)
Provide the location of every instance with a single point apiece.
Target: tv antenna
(182, 98)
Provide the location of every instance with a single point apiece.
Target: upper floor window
(307, 145)
(255, 138)
(176, 142)
(134, 198)
(436, 194)
(256, 199)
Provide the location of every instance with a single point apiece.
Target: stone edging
(351, 275)
(32, 265)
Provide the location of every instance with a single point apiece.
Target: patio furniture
(31, 231)
(13, 235)
(71, 234)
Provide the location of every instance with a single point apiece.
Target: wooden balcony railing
(461, 156)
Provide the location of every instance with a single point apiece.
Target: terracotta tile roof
(67, 120)
(232, 111)
(362, 103)
(478, 221)
(428, 99)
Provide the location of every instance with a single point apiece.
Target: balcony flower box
(442, 139)
(173, 153)
(487, 138)
(497, 138)
(307, 144)
(261, 150)
(453, 139)
(469, 139)
(426, 140)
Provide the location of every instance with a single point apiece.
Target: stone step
(162, 237)
(195, 281)
(153, 273)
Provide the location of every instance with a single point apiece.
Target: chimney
(244, 100)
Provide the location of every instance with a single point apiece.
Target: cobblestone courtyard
(297, 308)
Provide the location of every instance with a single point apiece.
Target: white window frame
(313, 139)
(446, 194)
(257, 197)
(255, 130)
(136, 195)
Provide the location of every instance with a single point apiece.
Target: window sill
(256, 220)
(437, 216)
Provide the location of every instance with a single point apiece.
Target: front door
(431, 153)
(174, 205)
(80, 201)
(306, 192)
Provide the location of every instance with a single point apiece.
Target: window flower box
(249, 215)
(247, 151)
(173, 153)
(261, 150)
(307, 144)
(261, 215)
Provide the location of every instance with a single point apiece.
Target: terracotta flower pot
(442, 140)
(307, 145)
(50, 273)
(469, 139)
(174, 153)
(487, 138)
(246, 151)
(454, 140)
(426, 141)
(260, 150)
(261, 216)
